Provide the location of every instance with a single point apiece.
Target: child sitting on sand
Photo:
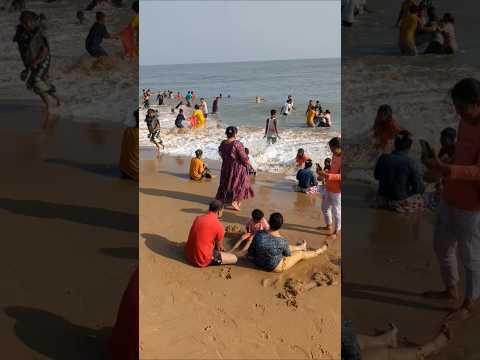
(254, 225)
(35, 53)
(153, 126)
(98, 32)
(198, 169)
(252, 166)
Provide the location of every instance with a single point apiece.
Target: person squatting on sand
(270, 251)
(385, 346)
(234, 177)
(129, 151)
(198, 168)
(254, 225)
(204, 246)
(400, 182)
(307, 181)
(458, 219)
(332, 197)
(35, 53)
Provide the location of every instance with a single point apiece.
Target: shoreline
(227, 307)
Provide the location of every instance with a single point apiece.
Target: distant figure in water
(271, 130)
(215, 105)
(259, 99)
(234, 179)
(80, 17)
(311, 113)
(180, 119)
(409, 26)
(385, 128)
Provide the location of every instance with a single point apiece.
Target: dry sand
(229, 312)
(69, 235)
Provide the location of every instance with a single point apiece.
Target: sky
(188, 32)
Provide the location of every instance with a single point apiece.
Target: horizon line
(240, 61)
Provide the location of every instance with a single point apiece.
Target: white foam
(277, 158)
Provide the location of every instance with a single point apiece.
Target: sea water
(305, 80)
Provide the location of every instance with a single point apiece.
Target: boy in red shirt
(204, 245)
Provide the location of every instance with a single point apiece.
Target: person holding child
(254, 225)
(270, 251)
(332, 197)
(458, 219)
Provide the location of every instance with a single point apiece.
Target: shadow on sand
(177, 195)
(107, 170)
(366, 292)
(56, 338)
(80, 214)
(128, 253)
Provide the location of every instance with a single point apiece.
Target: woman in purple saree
(234, 179)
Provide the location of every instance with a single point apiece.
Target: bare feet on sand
(302, 245)
(326, 227)
(437, 344)
(235, 206)
(462, 313)
(322, 249)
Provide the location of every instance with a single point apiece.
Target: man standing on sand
(204, 245)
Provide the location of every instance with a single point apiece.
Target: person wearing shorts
(270, 251)
(204, 245)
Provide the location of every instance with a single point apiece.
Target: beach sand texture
(388, 258)
(68, 222)
(230, 312)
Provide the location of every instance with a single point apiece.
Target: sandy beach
(388, 258)
(69, 234)
(229, 312)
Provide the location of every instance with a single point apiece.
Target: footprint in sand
(226, 273)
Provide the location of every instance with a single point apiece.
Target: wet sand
(388, 261)
(229, 312)
(69, 230)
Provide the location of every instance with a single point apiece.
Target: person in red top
(204, 245)
(458, 222)
(301, 158)
(332, 198)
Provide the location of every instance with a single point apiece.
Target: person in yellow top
(311, 113)
(198, 169)
(129, 151)
(405, 9)
(200, 117)
(409, 26)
